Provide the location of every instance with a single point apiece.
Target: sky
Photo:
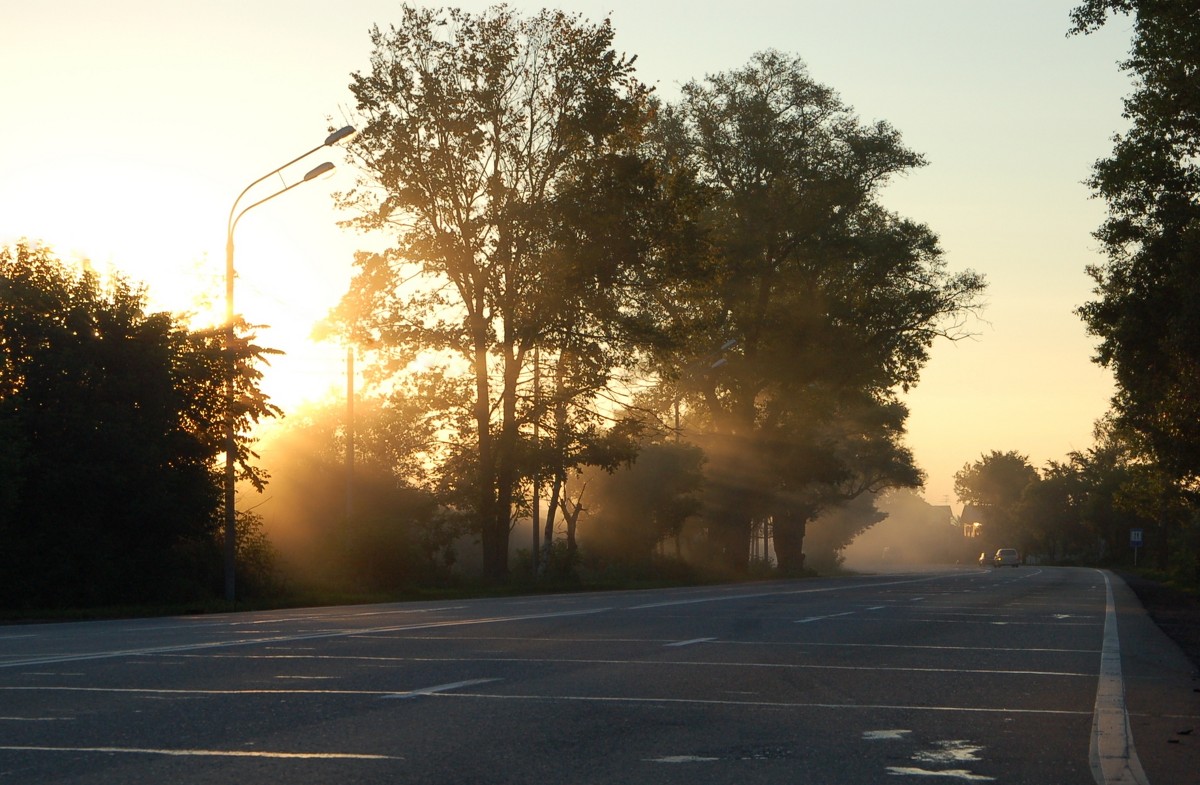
(130, 126)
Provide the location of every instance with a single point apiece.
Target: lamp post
(231, 361)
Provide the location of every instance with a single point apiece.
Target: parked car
(1006, 557)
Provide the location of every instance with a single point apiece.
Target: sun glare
(166, 230)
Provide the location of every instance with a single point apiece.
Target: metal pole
(231, 360)
(349, 432)
(230, 434)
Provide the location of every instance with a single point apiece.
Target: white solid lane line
(285, 638)
(789, 592)
(1113, 758)
(827, 616)
(439, 688)
(204, 753)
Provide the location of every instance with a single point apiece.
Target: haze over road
(1009, 676)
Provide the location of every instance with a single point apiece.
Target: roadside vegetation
(609, 341)
(1143, 472)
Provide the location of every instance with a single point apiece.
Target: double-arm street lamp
(231, 361)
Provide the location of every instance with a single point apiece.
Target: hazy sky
(131, 125)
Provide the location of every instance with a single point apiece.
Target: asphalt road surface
(1047, 676)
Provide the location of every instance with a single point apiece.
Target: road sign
(1135, 537)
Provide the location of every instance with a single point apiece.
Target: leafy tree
(1051, 513)
(1105, 469)
(482, 136)
(112, 419)
(832, 531)
(376, 530)
(834, 301)
(1144, 313)
(996, 483)
(1144, 310)
(636, 509)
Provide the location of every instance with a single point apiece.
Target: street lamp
(231, 363)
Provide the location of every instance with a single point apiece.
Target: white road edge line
(1113, 759)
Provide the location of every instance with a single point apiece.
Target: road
(1030, 675)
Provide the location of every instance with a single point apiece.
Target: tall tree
(834, 301)
(112, 419)
(996, 483)
(372, 529)
(1051, 511)
(473, 127)
(1144, 313)
(635, 510)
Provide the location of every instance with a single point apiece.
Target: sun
(165, 229)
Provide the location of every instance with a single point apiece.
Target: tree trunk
(789, 533)
(494, 541)
(506, 467)
(731, 537)
(555, 494)
(572, 518)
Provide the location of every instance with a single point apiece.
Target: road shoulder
(1162, 693)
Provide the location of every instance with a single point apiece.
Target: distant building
(972, 520)
(914, 532)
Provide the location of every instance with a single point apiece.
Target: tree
(828, 535)
(112, 419)
(475, 127)
(1051, 510)
(1105, 469)
(833, 300)
(636, 509)
(377, 530)
(996, 483)
(1144, 312)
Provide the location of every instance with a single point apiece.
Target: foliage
(1081, 510)
(996, 483)
(639, 508)
(112, 420)
(373, 531)
(833, 300)
(1144, 312)
(1050, 518)
(832, 531)
(997, 479)
(484, 141)
(553, 228)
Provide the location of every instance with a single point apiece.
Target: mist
(913, 533)
(379, 534)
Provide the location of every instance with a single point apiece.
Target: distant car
(1006, 557)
